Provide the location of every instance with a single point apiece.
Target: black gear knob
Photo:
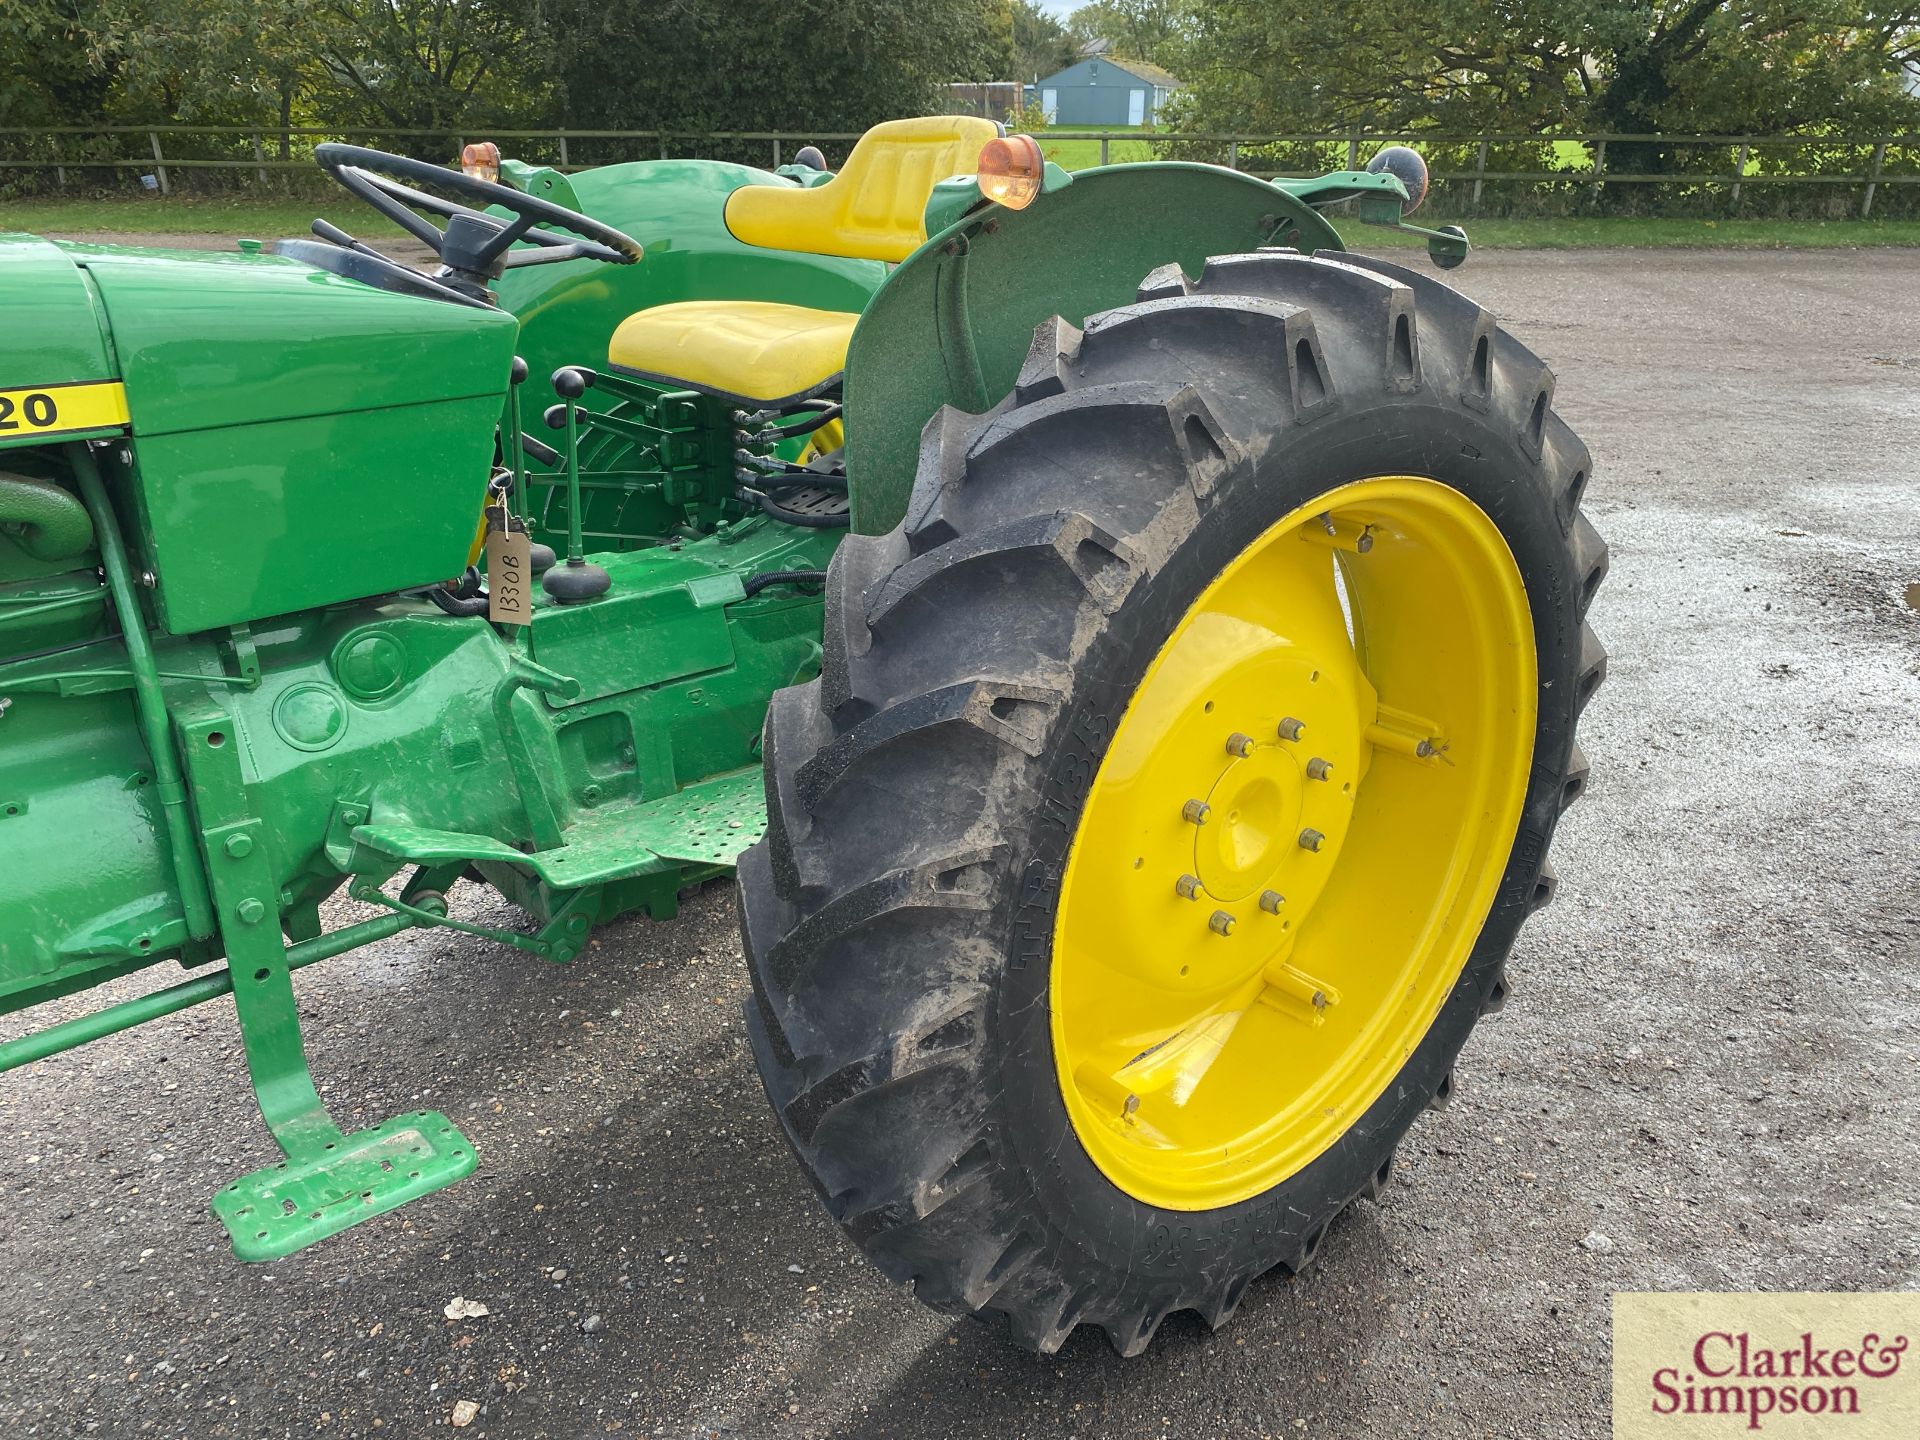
(570, 382)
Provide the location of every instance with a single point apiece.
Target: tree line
(1524, 67)
(463, 65)
(1727, 67)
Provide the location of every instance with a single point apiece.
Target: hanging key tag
(509, 600)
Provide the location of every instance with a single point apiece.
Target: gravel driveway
(1708, 1076)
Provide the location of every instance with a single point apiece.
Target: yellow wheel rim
(1227, 998)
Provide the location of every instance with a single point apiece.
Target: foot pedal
(286, 1207)
(816, 500)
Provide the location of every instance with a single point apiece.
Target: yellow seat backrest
(874, 207)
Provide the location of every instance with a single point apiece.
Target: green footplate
(287, 1207)
(708, 823)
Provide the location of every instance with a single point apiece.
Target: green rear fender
(989, 278)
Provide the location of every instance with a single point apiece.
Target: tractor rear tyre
(1179, 775)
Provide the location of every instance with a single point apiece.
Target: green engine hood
(208, 339)
(276, 409)
(54, 323)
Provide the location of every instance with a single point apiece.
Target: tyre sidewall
(1143, 1246)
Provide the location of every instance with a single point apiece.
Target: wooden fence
(1868, 165)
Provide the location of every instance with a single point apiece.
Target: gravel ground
(1710, 1059)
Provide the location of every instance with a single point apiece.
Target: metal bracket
(245, 904)
(953, 327)
(338, 845)
(244, 653)
(559, 940)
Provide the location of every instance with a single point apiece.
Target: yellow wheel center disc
(1292, 842)
(1255, 817)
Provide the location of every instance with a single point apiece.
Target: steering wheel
(475, 247)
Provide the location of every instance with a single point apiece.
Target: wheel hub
(1255, 808)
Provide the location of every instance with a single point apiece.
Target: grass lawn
(1085, 154)
(272, 219)
(269, 219)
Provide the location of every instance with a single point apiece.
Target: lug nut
(1220, 922)
(1365, 542)
(1239, 746)
(1195, 812)
(1291, 729)
(1188, 887)
(1132, 1105)
(1310, 839)
(1271, 901)
(1318, 769)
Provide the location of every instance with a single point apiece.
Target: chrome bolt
(1425, 749)
(148, 579)
(1326, 520)
(1271, 901)
(1187, 887)
(1291, 729)
(1318, 769)
(1220, 922)
(1310, 839)
(1196, 812)
(1239, 746)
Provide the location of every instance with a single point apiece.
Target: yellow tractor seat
(741, 349)
(874, 208)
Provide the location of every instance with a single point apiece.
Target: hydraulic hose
(754, 585)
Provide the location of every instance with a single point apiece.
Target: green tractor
(1128, 649)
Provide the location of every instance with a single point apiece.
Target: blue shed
(1104, 90)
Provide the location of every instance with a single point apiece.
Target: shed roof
(1144, 70)
(1138, 69)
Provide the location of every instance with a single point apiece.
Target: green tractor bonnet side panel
(53, 321)
(676, 210)
(300, 438)
(954, 322)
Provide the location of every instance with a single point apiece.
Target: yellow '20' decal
(56, 409)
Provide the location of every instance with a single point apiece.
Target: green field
(1084, 154)
(270, 219)
(263, 219)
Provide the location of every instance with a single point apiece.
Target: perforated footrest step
(287, 1207)
(708, 823)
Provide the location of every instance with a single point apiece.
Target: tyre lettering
(1033, 917)
(1066, 789)
(1527, 851)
